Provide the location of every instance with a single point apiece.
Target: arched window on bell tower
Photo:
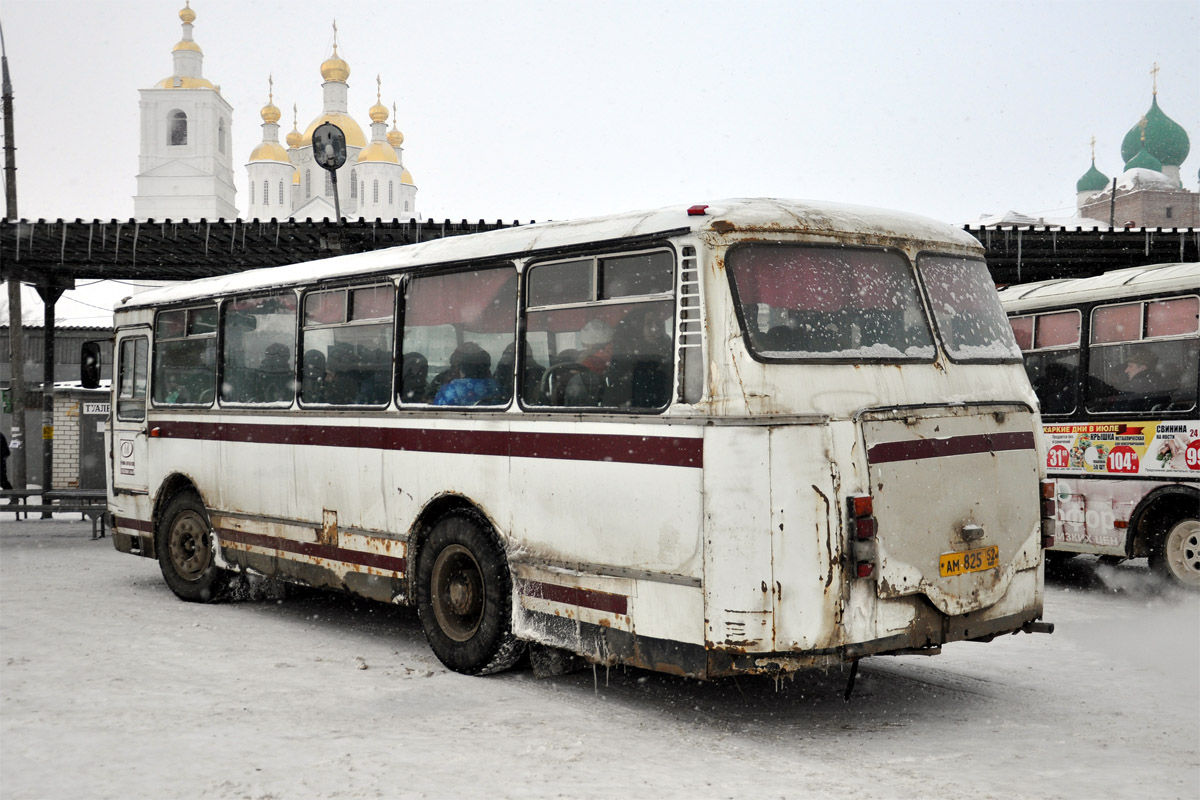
(177, 128)
(221, 135)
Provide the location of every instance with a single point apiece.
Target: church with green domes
(1149, 192)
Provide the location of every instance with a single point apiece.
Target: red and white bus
(756, 436)
(1114, 359)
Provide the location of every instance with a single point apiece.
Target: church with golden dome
(282, 182)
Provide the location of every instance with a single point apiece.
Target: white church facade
(185, 168)
(185, 162)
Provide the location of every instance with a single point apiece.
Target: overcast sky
(553, 110)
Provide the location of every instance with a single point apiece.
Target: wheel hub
(189, 546)
(457, 592)
(461, 594)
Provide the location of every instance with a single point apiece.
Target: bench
(86, 502)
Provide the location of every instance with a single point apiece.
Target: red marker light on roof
(697, 211)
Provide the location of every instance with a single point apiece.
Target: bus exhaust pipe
(1037, 626)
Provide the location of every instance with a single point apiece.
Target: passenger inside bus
(639, 375)
(586, 386)
(505, 369)
(474, 381)
(275, 374)
(312, 386)
(1141, 371)
(414, 371)
(341, 379)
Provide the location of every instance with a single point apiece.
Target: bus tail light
(1049, 501)
(1049, 513)
(863, 527)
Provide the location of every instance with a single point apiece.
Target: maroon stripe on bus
(666, 451)
(134, 524)
(916, 449)
(574, 596)
(314, 550)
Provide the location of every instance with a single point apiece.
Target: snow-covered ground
(112, 688)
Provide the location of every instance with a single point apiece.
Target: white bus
(756, 436)
(1114, 360)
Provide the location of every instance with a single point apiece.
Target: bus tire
(1177, 555)
(185, 550)
(464, 596)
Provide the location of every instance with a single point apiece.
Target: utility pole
(16, 331)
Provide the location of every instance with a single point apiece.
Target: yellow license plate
(977, 560)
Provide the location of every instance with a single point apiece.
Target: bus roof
(1117, 283)
(720, 217)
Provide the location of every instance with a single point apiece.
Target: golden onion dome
(186, 14)
(378, 112)
(270, 114)
(334, 68)
(184, 83)
(378, 151)
(395, 138)
(270, 151)
(354, 134)
(406, 178)
(294, 138)
(184, 44)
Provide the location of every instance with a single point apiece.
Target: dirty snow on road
(110, 687)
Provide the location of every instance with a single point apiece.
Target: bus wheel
(185, 552)
(1178, 555)
(464, 597)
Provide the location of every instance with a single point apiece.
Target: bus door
(129, 420)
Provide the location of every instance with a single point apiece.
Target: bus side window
(131, 379)
(347, 346)
(1051, 345)
(1135, 366)
(460, 328)
(185, 348)
(258, 343)
(605, 328)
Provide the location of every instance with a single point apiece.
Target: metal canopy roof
(55, 253)
(1021, 254)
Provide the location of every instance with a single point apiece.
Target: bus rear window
(802, 302)
(966, 310)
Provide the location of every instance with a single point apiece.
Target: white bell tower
(185, 163)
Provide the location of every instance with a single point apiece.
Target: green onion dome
(1165, 139)
(1092, 181)
(1144, 160)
